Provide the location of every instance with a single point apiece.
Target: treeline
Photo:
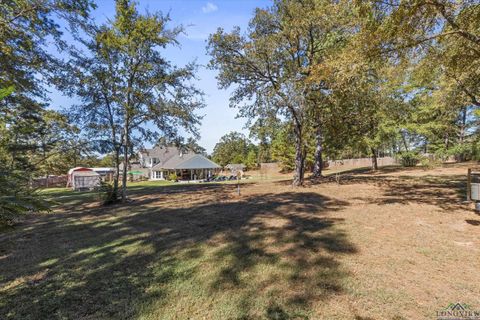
(279, 147)
(358, 77)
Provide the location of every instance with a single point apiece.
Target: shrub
(462, 152)
(409, 159)
(106, 193)
(429, 162)
(172, 177)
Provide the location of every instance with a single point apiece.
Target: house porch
(184, 174)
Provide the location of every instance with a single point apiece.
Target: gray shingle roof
(170, 158)
(197, 162)
(163, 154)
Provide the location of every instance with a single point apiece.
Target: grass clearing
(398, 244)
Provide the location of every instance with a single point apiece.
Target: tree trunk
(299, 158)
(125, 164)
(74, 158)
(463, 126)
(116, 177)
(374, 159)
(404, 141)
(14, 152)
(318, 162)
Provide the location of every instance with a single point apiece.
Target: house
(164, 161)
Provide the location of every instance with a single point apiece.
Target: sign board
(475, 191)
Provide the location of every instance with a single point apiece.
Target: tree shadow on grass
(111, 262)
(447, 192)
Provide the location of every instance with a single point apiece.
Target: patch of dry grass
(397, 244)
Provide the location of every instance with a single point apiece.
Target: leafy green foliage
(271, 65)
(25, 28)
(107, 194)
(31, 137)
(5, 92)
(283, 150)
(234, 147)
(17, 198)
(251, 160)
(409, 158)
(437, 43)
(130, 92)
(173, 177)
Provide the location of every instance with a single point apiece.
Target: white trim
(157, 175)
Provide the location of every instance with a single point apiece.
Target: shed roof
(85, 173)
(76, 169)
(102, 169)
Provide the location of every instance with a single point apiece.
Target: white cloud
(209, 7)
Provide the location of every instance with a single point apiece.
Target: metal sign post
(469, 187)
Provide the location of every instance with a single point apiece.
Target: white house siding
(161, 161)
(157, 175)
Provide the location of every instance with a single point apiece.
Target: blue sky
(200, 18)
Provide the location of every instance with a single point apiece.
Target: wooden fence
(360, 162)
(50, 182)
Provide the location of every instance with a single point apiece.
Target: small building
(164, 161)
(81, 178)
(70, 174)
(236, 168)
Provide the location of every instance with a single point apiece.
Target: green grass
(66, 196)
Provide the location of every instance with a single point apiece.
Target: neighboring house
(163, 161)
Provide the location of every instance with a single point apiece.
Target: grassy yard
(397, 244)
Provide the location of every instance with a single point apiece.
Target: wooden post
(238, 182)
(469, 184)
